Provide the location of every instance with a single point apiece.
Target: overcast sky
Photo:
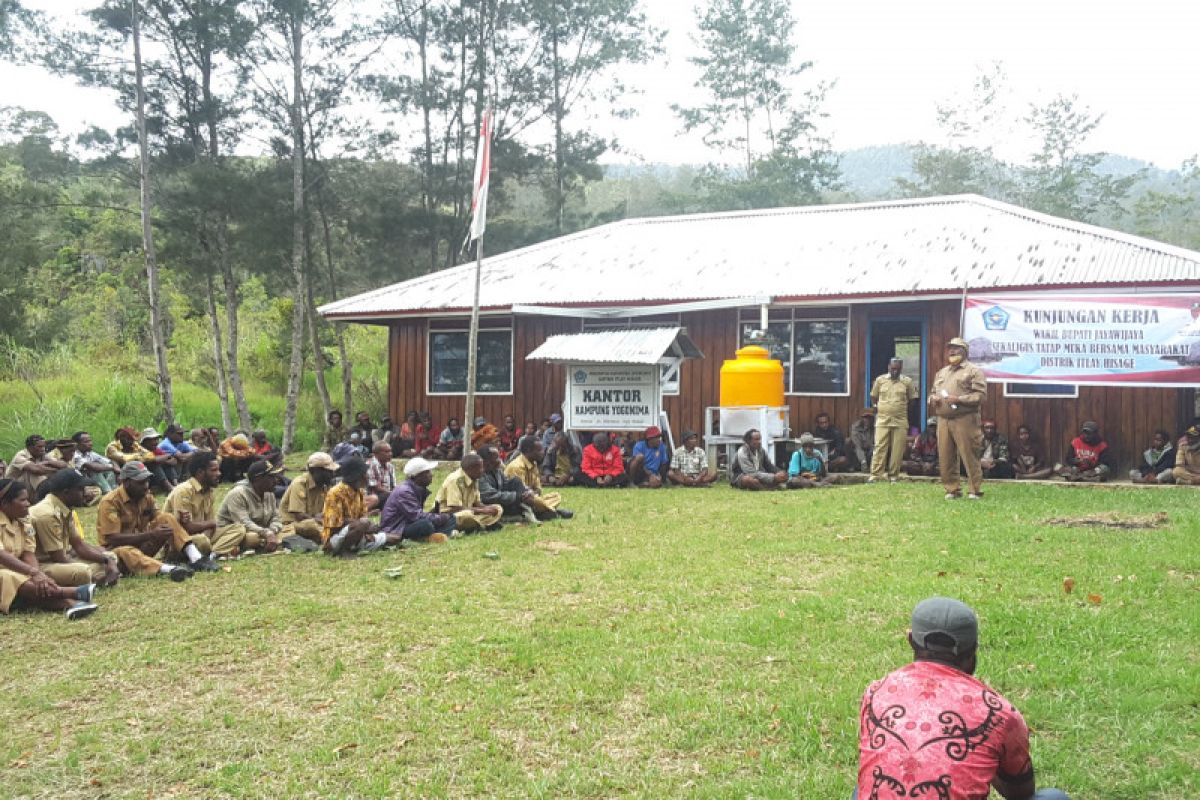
(893, 61)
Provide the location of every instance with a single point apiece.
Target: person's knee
(1050, 794)
(419, 529)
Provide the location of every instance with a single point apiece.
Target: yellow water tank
(752, 379)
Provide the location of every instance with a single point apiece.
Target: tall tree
(1063, 179)
(158, 332)
(747, 70)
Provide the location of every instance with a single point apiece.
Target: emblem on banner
(580, 376)
(995, 319)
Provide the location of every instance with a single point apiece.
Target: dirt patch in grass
(553, 547)
(1112, 519)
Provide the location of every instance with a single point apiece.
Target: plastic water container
(752, 379)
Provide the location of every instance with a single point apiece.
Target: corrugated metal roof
(628, 346)
(908, 247)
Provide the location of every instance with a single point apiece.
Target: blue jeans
(1040, 794)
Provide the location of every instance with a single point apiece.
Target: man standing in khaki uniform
(891, 394)
(959, 390)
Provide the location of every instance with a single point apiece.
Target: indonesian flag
(483, 166)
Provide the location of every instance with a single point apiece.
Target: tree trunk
(426, 112)
(339, 328)
(560, 199)
(296, 364)
(314, 332)
(218, 355)
(158, 334)
(231, 329)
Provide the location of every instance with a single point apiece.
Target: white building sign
(612, 397)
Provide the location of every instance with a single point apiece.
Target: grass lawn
(674, 643)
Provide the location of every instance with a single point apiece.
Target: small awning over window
(626, 346)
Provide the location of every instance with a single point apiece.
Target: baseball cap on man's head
(958, 341)
(556, 418)
(415, 466)
(150, 433)
(950, 620)
(321, 460)
(260, 468)
(1090, 426)
(134, 471)
(653, 431)
(1193, 431)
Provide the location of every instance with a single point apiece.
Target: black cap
(352, 468)
(66, 479)
(260, 468)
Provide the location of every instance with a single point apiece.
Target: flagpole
(468, 424)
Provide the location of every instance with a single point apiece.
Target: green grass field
(674, 643)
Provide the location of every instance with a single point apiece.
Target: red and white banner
(1096, 340)
(483, 168)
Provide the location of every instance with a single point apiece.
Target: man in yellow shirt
(347, 530)
(61, 551)
(525, 468)
(128, 522)
(304, 502)
(891, 394)
(191, 504)
(459, 496)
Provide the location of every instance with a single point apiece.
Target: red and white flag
(483, 167)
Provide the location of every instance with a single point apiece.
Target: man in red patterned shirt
(932, 730)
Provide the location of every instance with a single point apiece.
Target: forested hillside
(283, 154)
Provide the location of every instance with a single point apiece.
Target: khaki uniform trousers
(468, 520)
(306, 528)
(546, 502)
(10, 582)
(889, 451)
(74, 573)
(180, 538)
(135, 562)
(960, 437)
(1185, 478)
(236, 537)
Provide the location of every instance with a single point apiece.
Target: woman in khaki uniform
(20, 577)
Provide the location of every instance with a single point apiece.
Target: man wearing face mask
(959, 390)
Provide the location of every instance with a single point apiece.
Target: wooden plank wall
(1128, 416)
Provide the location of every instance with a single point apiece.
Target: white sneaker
(951, 496)
(973, 496)
(892, 480)
(81, 610)
(871, 479)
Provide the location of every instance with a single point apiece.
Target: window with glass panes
(448, 358)
(812, 343)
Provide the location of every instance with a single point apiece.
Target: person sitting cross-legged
(459, 495)
(236, 457)
(22, 580)
(1089, 458)
(33, 465)
(752, 468)
(650, 463)
(62, 552)
(191, 504)
(248, 519)
(922, 457)
(347, 530)
(497, 487)
(837, 460)
(995, 460)
(931, 729)
(129, 524)
(602, 465)
(689, 464)
(404, 512)
(92, 464)
(807, 468)
(449, 445)
(304, 502)
(1158, 462)
(381, 475)
(525, 469)
(1187, 460)
(1028, 456)
(561, 461)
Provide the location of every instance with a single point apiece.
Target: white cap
(416, 466)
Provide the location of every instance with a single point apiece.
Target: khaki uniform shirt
(526, 471)
(16, 536)
(16, 470)
(190, 496)
(458, 491)
(244, 506)
(892, 397)
(965, 380)
(117, 513)
(303, 499)
(1187, 458)
(53, 525)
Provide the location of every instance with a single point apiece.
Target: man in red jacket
(602, 465)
